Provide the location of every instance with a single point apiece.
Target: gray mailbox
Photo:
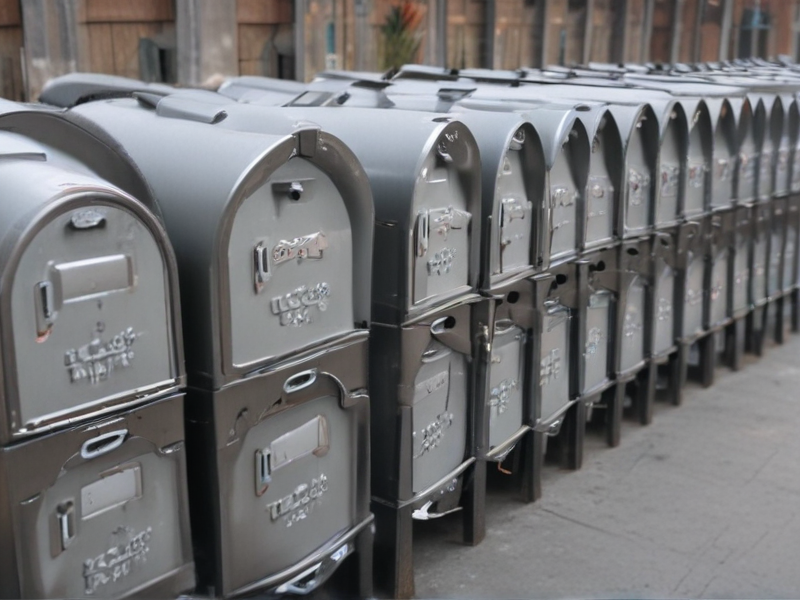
(93, 466)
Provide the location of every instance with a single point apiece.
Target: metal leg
(646, 393)
(614, 400)
(473, 500)
(795, 310)
(708, 359)
(394, 565)
(734, 344)
(572, 435)
(678, 364)
(754, 336)
(780, 322)
(531, 448)
(364, 544)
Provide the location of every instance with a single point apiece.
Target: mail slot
(270, 230)
(90, 296)
(279, 472)
(98, 510)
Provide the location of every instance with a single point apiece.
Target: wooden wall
(11, 85)
(261, 23)
(112, 29)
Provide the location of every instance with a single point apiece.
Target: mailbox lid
(101, 510)
(89, 296)
(507, 376)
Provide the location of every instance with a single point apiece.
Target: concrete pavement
(703, 503)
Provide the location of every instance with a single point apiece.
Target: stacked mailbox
(271, 220)
(93, 498)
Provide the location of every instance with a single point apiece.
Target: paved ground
(703, 503)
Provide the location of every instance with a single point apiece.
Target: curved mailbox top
(512, 162)
(271, 220)
(89, 300)
(425, 177)
(68, 90)
(239, 87)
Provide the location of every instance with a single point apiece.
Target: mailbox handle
(304, 379)
(65, 513)
(103, 444)
(310, 579)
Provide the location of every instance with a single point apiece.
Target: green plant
(401, 35)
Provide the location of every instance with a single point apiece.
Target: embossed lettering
(442, 262)
(593, 339)
(433, 433)
(307, 246)
(116, 562)
(550, 367)
(298, 505)
(501, 395)
(97, 360)
(294, 308)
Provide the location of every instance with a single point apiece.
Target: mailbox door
(670, 174)
(286, 488)
(554, 367)
(600, 195)
(718, 293)
(694, 294)
(598, 326)
(790, 248)
(766, 168)
(91, 313)
(439, 415)
(290, 260)
(748, 168)
(760, 249)
(633, 314)
(113, 517)
(697, 169)
(442, 239)
(516, 213)
(506, 383)
(564, 198)
(664, 336)
(776, 253)
(723, 165)
(741, 262)
(639, 178)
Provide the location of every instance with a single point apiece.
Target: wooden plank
(101, 48)
(130, 11)
(263, 12)
(126, 45)
(252, 39)
(250, 67)
(10, 67)
(9, 13)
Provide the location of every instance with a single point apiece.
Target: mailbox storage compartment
(279, 473)
(99, 510)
